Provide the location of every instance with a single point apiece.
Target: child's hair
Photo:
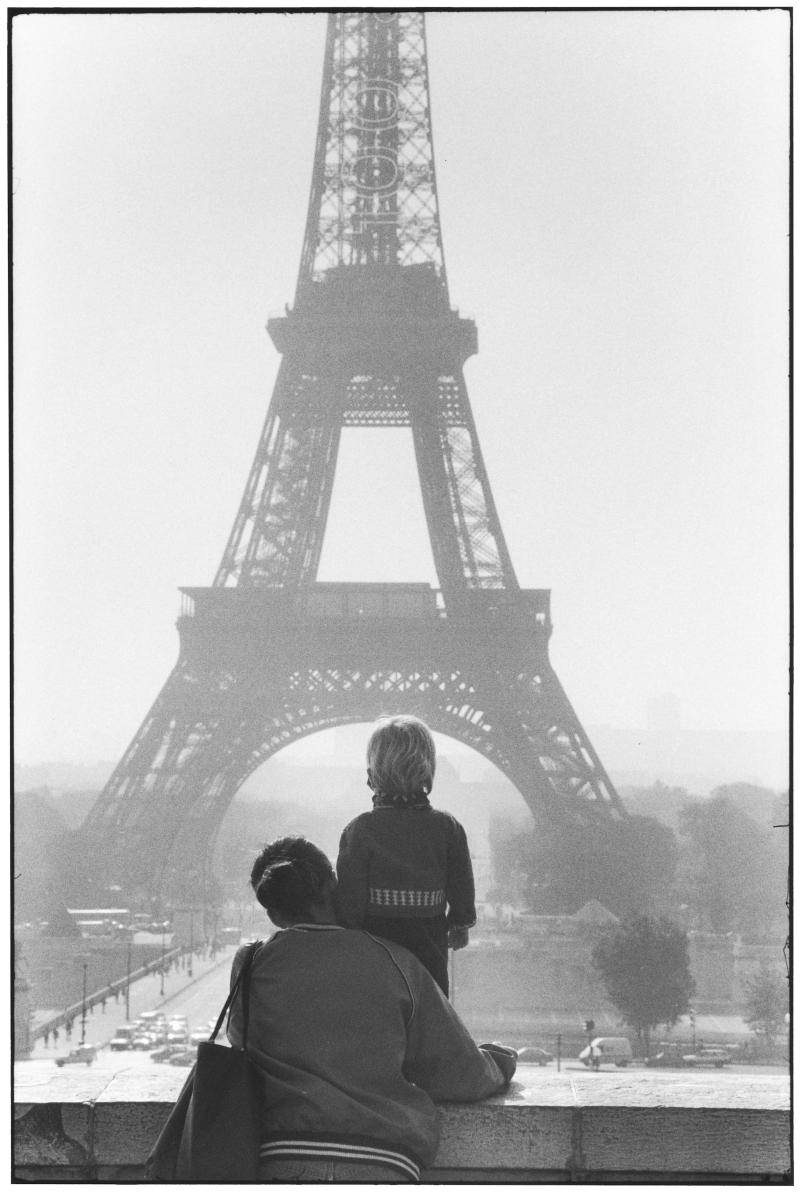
(401, 757)
(290, 875)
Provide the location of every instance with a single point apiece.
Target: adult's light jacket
(356, 1043)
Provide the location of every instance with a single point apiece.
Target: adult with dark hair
(354, 1039)
(404, 867)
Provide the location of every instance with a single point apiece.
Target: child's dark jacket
(405, 862)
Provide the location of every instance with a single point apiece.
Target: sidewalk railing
(114, 989)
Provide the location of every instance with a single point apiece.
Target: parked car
(710, 1055)
(185, 1057)
(608, 1050)
(144, 1041)
(671, 1055)
(166, 1052)
(532, 1055)
(123, 1037)
(83, 1053)
(196, 1038)
(148, 1018)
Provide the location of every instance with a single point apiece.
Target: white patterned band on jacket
(391, 897)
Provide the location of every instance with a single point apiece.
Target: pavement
(134, 1076)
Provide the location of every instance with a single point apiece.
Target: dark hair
(289, 875)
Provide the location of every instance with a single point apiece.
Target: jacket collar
(316, 928)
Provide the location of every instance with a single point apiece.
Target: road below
(199, 996)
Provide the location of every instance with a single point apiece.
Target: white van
(611, 1050)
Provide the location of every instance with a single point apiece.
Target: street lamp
(191, 940)
(694, 1028)
(163, 932)
(83, 1001)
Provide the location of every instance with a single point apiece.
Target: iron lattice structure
(268, 654)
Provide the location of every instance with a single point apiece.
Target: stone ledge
(573, 1126)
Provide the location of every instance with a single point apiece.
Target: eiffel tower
(267, 653)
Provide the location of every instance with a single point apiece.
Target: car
(123, 1037)
(144, 1041)
(197, 1038)
(177, 1038)
(710, 1055)
(83, 1053)
(185, 1057)
(608, 1050)
(148, 1018)
(668, 1055)
(166, 1052)
(531, 1055)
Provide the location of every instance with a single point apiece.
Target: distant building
(100, 922)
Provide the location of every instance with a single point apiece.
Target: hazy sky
(614, 197)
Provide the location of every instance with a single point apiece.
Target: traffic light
(588, 1026)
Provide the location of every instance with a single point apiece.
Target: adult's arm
(352, 872)
(441, 1056)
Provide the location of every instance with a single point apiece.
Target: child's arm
(352, 872)
(460, 890)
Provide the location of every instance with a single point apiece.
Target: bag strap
(248, 969)
(242, 980)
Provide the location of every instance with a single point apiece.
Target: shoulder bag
(213, 1132)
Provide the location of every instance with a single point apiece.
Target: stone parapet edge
(488, 1142)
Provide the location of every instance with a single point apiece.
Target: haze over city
(613, 193)
(608, 200)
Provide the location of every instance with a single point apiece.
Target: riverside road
(201, 996)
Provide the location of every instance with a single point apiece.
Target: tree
(644, 964)
(627, 865)
(766, 1003)
(736, 871)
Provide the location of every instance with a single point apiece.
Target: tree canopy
(766, 1002)
(626, 865)
(644, 964)
(736, 871)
